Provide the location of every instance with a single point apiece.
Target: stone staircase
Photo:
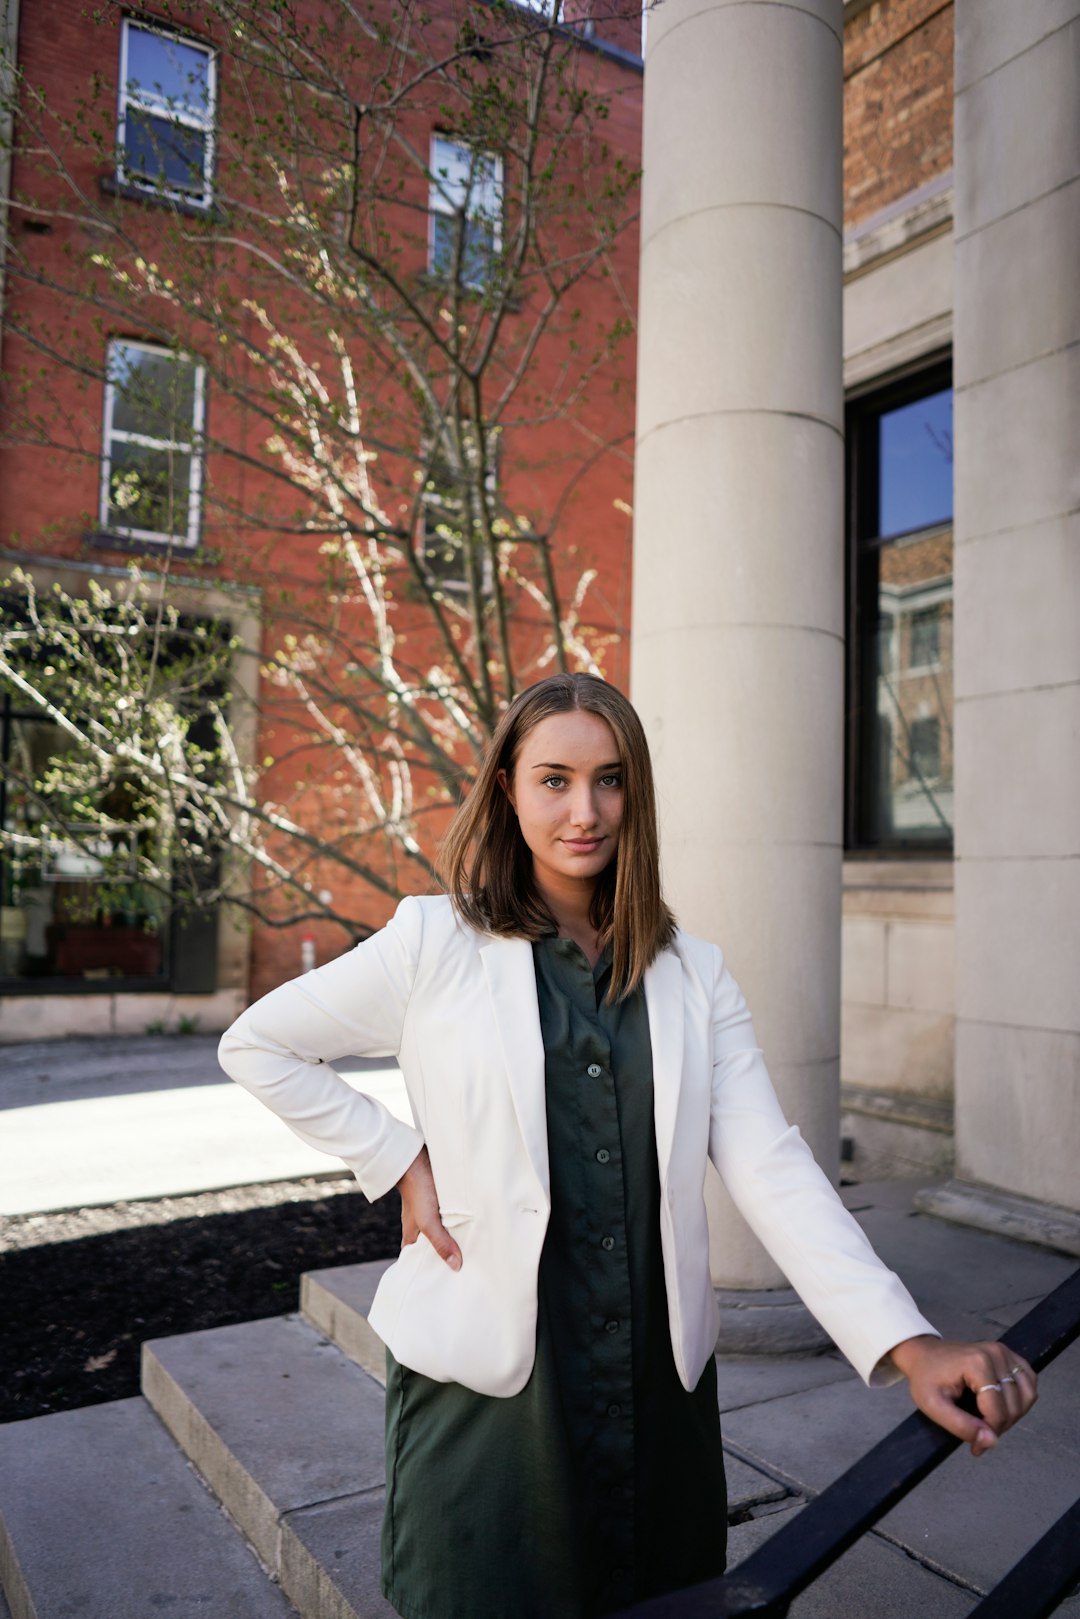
(245, 1483)
(271, 1428)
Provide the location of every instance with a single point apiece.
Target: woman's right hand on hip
(420, 1211)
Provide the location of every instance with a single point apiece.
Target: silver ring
(1014, 1372)
(987, 1387)
(1008, 1378)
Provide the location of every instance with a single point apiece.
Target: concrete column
(737, 654)
(1017, 660)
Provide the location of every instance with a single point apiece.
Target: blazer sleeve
(279, 1050)
(791, 1205)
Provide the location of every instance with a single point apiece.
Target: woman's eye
(611, 781)
(554, 781)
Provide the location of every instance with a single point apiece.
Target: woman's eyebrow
(601, 769)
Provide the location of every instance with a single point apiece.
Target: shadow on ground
(77, 1307)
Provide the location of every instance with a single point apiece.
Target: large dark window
(76, 911)
(900, 702)
(59, 921)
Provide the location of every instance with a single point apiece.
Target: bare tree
(373, 259)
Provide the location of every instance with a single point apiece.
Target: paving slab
(273, 1416)
(748, 1487)
(959, 1277)
(330, 1558)
(336, 1302)
(976, 1517)
(812, 1437)
(749, 1380)
(873, 1580)
(102, 1518)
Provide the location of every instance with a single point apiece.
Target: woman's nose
(583, 807)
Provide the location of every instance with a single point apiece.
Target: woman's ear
(503, 778)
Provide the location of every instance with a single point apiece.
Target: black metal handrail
(770, 1579)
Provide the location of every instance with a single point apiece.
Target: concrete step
(101, 1516)
(336, 1303)
(288, 1433)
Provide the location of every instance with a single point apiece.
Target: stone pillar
(737, 652)
(1017, 659)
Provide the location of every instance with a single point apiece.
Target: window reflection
(915, 483)
(65, 910)
(902, 732)
(913, 705)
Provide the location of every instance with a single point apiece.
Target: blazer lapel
(664, 1000)
(511, 981)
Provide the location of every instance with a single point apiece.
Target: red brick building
(569, 471)
(156, 292)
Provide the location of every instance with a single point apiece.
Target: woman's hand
(1004, 1385)
(420, 1210)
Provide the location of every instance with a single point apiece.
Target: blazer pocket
(454, 1217)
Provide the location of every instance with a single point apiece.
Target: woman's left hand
(938, 1372)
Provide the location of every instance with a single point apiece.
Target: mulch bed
(80, 1290)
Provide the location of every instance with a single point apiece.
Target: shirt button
(608, 1243)
(602, 1156)
(611, 1326)
(614, 1410)
(594, 1070)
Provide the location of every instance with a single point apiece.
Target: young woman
(572, 1059)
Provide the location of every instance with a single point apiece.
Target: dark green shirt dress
(602, 1481)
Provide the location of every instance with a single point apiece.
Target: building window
(924, 640)
(87, 897)
(900, 701)
(151, 476)
(60, 919)
(166, 113)
(925, 751)
(465, 201)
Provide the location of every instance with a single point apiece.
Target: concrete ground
(106, 1120)
(803, 1421)
(111, 1119)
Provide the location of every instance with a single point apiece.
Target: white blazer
(459, 1011)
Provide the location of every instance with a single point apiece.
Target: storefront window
(66, 910)
(900, 699)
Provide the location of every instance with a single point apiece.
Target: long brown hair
(486, 864)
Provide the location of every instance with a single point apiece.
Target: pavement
(109, 1119)
(802, 1422)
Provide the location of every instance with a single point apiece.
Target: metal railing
(770, 1579)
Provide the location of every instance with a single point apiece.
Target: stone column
(1017, 660)
(737, 653)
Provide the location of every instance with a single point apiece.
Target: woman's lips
(582, 845)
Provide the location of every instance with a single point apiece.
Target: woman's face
(567, 790)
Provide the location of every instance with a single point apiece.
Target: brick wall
(556, 469)
(898, 102)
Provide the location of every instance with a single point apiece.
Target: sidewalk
(802, 1422)
(111, 1120)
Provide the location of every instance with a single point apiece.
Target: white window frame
(442, 201)
(147, 100)
(191, 447)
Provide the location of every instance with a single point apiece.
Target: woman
(572, 1059)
